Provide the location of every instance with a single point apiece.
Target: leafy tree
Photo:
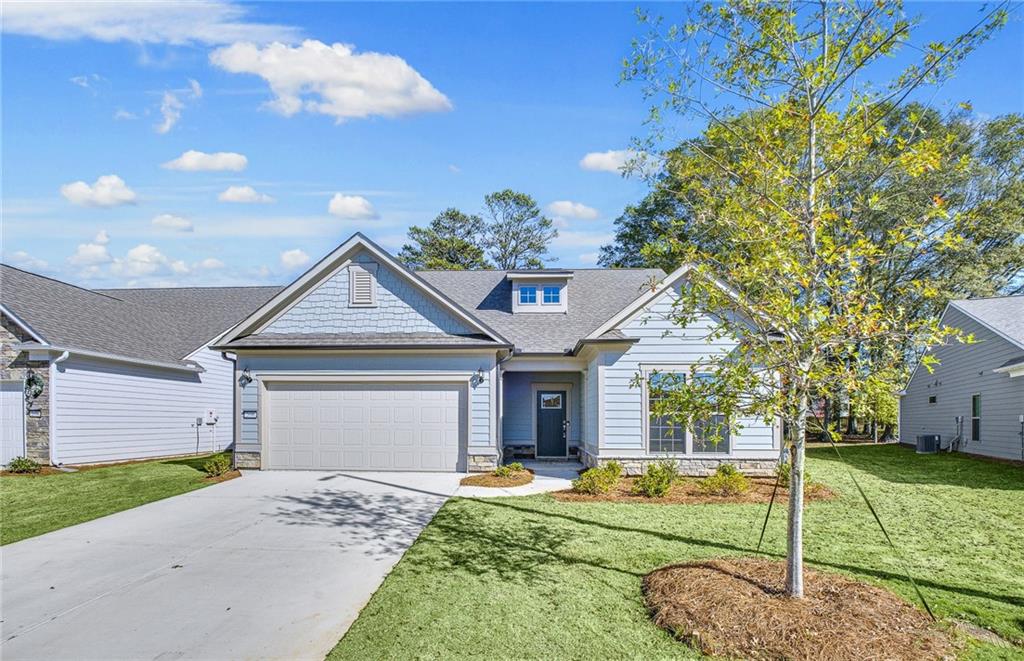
(791, 271)
(451, 242)
(517, 234)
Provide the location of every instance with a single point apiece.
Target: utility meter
(210, 417)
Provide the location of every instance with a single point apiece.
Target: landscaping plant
(795, 224)
(727, 480)
(23, 465)
(217, 465)
(508, 470)
(598, 480)
(656, 480)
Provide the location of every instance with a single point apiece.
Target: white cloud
(210, 263)
(568, 209)
(454, 169)
(87, 81)
(293, 259)
(23, 260)
(170, 222)
(108, 191)
(195, 88)
(607, 161)
(197, 161)
(333, 79)
(170, 22)
(245, 194)
(145, 259)
(170, 110)
(93, 253)
(576, 240)
(589, 258)
(122, 114)
(351, 207)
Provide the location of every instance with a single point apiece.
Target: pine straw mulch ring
(687, 492)
(735, 608)
(517, 479)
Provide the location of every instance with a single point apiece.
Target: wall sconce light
(246, 378)
(478, 376)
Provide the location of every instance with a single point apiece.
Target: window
(710, 434)
(932, 399)
(551, 401)
(975, 417)
(664, 432)
(527, 295)
(552, 294)
(362, 285)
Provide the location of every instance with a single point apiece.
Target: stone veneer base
(692, 466)
(482, 463)
(247, 459)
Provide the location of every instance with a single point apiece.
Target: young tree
(517, 234)
(789, 276)
(451, 242)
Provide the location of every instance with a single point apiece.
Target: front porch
(541, 413)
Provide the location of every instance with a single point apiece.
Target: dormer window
(362, 285)
(540, 291)
(528, 295)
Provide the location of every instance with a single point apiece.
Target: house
(362, 364)
(976, 392)
(110, 375)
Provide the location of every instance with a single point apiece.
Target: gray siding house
(95, 376)
(363, 364)
(982, 383)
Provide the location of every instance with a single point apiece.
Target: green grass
(33, 505)
(536, 578)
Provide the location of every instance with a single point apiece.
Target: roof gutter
(185, 366)
(21, 323)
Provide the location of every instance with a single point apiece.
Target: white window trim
(558, 294)
(519, 292)
(370, 269)
(645, 418)
(974, 417)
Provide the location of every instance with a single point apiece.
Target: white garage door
(12, 420)
(364, 426)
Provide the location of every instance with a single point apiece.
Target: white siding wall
(661, 342)
(106, 411)
(481, 437)
(966, 369)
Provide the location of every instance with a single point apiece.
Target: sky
(219, 143)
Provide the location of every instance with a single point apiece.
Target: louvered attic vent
(362, 285)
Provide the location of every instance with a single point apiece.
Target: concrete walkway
(275, 565)
(547, 476)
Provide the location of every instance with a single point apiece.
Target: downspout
(234, 403)
(53, 406)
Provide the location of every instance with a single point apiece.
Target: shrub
(783, 472)
(508, 470)
(23, 465)
(217, 465)
(726, 481)
(596, 481)
(657, 480)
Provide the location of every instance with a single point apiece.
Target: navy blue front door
(551, 408)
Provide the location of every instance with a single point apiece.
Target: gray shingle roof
(594, 296)
(163, 325)
(1004, 314)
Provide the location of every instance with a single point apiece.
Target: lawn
(531, 577)
(33, 505)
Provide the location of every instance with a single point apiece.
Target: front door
(551, 407)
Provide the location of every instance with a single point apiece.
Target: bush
(23, 465)
(726, 481)
(783, 472)
(600, 480)
(508, 470)
(658, 479)
(217, 465)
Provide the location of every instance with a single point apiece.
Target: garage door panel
(352, 426)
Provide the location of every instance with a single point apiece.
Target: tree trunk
(795, 537)
(851, 422)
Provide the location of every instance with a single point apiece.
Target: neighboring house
(362, 364)
(110, 375)
(981, 383)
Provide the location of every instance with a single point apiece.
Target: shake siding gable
(400, 307)
(963, 371)
(660, 342)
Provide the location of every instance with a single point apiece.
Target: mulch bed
(43, 470)
(517, 479)
(686, 492)
(735, 608)
(223, 477)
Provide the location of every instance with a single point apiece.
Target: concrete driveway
(272, 565)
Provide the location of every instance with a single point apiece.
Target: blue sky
(438, 105)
